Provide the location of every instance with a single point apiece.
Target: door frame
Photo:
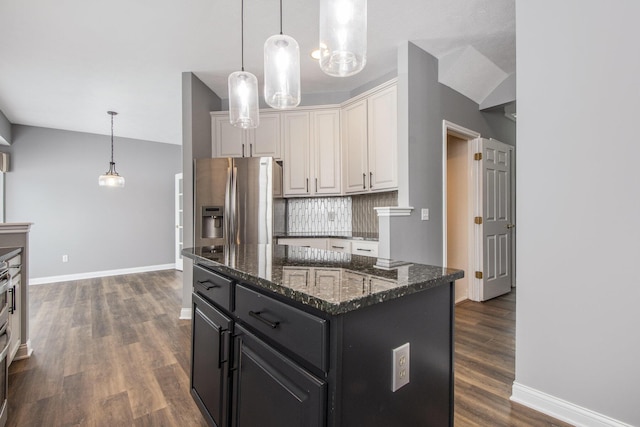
(450, 128)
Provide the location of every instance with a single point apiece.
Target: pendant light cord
(280, 17)
(242, 32)
(111, 138)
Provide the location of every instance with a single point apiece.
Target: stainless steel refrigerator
(238, 200)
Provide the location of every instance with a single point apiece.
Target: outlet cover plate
(400, 368)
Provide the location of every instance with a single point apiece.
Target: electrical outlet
(65, 258)
(425, 214)
(401, 365)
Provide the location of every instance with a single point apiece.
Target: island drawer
(214, 287)
(300, 332)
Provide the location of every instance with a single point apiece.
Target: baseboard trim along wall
(561, 409)
(95, 274)
(185, 314)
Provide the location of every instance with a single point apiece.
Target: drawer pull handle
(363, 250)
(257, 315)
(210, 286)
(337, 247)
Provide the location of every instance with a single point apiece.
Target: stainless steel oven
(5, 283)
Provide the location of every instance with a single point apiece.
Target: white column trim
(561, 409)
(394, 211)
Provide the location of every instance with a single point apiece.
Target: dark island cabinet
(270, 390)
(210, 364)
(261, 358)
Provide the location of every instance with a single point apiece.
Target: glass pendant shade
(343, 36)
(111, 178)
(281, 72)
(243, 100)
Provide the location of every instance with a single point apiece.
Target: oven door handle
(7, 332)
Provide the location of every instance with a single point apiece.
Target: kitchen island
(293, 336)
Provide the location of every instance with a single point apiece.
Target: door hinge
(478, 274)
(477, 156)
(478, 220)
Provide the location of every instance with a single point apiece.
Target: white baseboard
(94, 274)
(185, 314)
(561, 409)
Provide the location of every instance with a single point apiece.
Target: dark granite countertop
(8, 253)
(351, 281)
(327, 235)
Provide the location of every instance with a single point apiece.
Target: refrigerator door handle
(227, 207)
(234, 205)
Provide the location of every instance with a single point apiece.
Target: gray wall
(423, 103)
(54, 184)
(5, 130)
(578, 205)
(197, 101)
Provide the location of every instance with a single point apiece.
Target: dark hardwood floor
(107, 352)
(485, 366)
(112, 352)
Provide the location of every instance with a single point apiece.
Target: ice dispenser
(212, 222)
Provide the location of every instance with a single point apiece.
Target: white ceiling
(63, 64)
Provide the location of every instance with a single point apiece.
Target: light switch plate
(424, 214)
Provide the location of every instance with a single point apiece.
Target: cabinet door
(14, 316)
(209, 363)
(383, 139)
(326, 152)
(354, 147)
(228, 140)
(271, 390)
(266, 138)
(296, 129)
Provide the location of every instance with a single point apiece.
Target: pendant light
(343, 36)
(111, 177)
(243, 92)
(281, 70)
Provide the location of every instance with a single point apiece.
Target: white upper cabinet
(228, 140)
(370, 142)
(325, 142)
(231, 141)
(354, 147)
(383, 139)
(311, 152)
(266, 137)
(296, 128)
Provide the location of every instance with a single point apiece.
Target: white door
(179, 221)
(497, 218)
(353, 123)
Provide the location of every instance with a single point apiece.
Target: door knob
(510, 226)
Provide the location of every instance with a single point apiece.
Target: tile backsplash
(337, 214)
(365, 219)
(319, 215)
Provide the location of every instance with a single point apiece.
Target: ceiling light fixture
(243, 92)
(315, 54)
(343, 36)
(281, 70)
(111, 177)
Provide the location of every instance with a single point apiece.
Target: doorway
(478, 212)
(458, 203)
